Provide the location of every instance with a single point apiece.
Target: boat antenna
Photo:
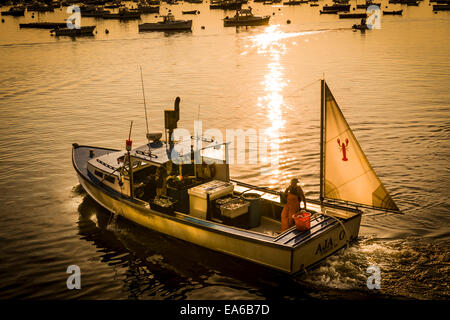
(145, 105)
(131, 127)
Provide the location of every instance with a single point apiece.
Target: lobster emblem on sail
(343, 147)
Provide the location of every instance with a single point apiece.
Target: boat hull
(287, 253)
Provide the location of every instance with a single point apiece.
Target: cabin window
(110, 179)
(98, 173)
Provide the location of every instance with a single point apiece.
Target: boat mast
(322, 115)
(145, 106)
(130, 170)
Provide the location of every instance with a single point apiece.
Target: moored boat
(368, 4)
(294, 2)
(336, 7)
(352, 15)
(393, 12)
(43, 25)
(190, 12)
(143, 8)
(226, 4)
(75, 32)
(207, 208)
(39, 7)
(441, 7)
(329, 11)
(123, 14)
(14, 11)
(361, 27)
(167, 24)
(245, 17)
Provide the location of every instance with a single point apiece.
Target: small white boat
(232, 217)
(167, 24)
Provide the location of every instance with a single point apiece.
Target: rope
(342, 225)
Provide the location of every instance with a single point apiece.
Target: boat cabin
(165, 178)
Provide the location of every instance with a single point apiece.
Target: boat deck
(268, 226)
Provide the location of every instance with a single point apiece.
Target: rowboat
(167, 24)
(230, 216)
(245, 17)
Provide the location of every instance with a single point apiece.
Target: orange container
(302, 220)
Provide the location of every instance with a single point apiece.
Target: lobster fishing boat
(167, 24)
(204, 206)
(245, 17)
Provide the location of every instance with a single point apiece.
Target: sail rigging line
(332, 201)
(143, 94)
(342, 225)
(288, 95)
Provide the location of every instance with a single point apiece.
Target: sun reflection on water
(269, 43)
(272, 43)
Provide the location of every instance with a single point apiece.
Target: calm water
(392, 84)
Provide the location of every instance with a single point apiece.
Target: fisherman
(293, 195)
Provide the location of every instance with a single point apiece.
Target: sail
(347, 174)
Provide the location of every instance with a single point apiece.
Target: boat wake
(410, 268)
